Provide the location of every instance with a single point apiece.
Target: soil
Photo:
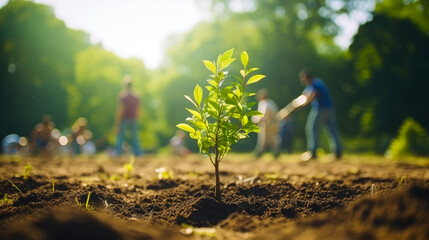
(167, 197)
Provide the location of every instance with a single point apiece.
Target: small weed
(77, 202)
(5, 200)
(115, 177)
(27, 170)
(163, 173)
(128, 168)
(88, 206)
(401, 180)
(272, 176)
(53, 185)
(13, 185)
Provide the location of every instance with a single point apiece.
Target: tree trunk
(217, 188)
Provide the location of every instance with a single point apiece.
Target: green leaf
(227, 54)
(254, 113)
(244, 59)
(200, 125)
(219, 61)
(238, 78)
(210, 66)
(198, 94)
(251, 70)
(192, 101)
(255, 79)
(195, 113)
(243, 73)
(212, 82)
(226, 63)
(185, 127)
(244, 121)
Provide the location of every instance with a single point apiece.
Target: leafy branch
(222, 118)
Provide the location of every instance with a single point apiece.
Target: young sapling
(27, 170)
(222, 118)
(128, 168)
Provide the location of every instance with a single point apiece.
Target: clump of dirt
(400, 214)
(73, 223)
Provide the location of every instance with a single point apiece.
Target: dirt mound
(401, 214)
(202, 211)
(74, 223)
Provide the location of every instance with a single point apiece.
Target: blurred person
(321, 114)
(41, 137)
(80, 138)
(177, 144)
(127, 116)
(13, 144)
(268, 136)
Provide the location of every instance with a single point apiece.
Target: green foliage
(37, 53)
(163, 173)
(389, 70)
(412, 140)
(27, 170)
(128, 168)
(416, 10)
(88, 206)
(222, 118)
(5, 200)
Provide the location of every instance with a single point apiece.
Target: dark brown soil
(261, 199)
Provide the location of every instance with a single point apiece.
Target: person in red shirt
(127, 116)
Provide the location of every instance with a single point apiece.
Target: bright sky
(139, 28)
(130, 28)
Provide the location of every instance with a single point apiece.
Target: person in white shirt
(268, 136)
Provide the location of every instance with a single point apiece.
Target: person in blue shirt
(322, 113)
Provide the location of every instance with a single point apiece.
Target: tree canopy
(377, 83)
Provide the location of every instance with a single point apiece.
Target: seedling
(115, 177)
(13, 185)
(401, 180)
(128, 168)
(163, 173)
(27, 170)
(77, 202)
(5, 200)
(88, 206)
(222, 118)
(53, 185)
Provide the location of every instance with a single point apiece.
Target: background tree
(37, 62)
(390, 77)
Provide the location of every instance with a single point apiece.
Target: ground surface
(355, 198)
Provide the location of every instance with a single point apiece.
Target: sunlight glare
(63, 140)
